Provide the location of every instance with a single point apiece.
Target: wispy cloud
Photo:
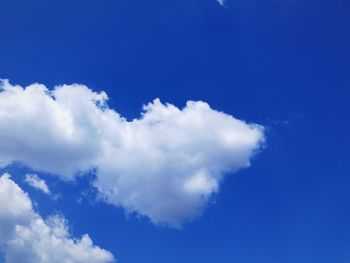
(36, 182)
(222, 2)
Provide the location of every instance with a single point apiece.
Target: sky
(175, 131)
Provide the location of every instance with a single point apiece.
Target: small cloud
(222, 2)
(25, 236)
(38, 183)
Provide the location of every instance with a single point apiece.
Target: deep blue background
(281, 63)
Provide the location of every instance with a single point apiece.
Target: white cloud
(36, 182)
(164, 165)
(26, 237)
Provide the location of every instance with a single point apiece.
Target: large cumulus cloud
(165, 164)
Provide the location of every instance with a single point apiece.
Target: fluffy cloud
(164, 165)
(26, 237)
(36, 182)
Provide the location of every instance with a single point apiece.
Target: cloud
(165, 165)
(222, 2)
(26, 237)
(38, 183)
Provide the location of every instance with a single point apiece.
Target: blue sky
(282, 64)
